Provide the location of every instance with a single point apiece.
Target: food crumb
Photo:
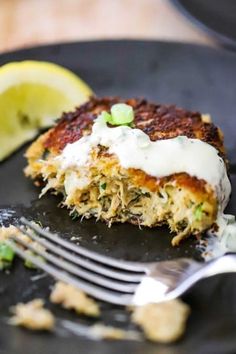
(108, 332)
(11, 230)
(7, 232)
(164, 322)
(74, 299)
(33, 315)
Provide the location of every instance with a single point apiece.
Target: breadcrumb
(7, 232)
(33, 315)
(164, 322)
(107, 332)
(11, 230)
(73, 299)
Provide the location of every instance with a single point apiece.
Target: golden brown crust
(157, 121)
(141, 179)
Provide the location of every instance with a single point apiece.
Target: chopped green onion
(74, 215)
(29, 264)
(198, 212)
(122, 113)
(106, 116)
(6, 253)
(6, 256)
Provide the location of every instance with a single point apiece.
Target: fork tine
(90, 265)
(102, 281)
(92, 290)
(125, 265)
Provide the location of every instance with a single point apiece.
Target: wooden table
(26, 23)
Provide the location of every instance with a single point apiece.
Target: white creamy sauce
(221, 241)
(161, 158)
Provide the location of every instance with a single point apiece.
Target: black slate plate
(215, 16)
(191, 76)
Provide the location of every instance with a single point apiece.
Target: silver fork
(115, 281)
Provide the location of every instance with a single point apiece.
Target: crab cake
(167, 166)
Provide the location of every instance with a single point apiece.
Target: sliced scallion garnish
(198, 212)
(6, 253)
(106, 116)
(121, 114)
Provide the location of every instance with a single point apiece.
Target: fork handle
(224, 264)
(221, 265)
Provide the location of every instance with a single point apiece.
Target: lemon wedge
(32, 95)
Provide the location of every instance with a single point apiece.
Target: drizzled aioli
(160, 158)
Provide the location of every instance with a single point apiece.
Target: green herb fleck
(74, 215)
(6, 253)
(103, 186)
(30, 265)
(106, 116)
(198, 212)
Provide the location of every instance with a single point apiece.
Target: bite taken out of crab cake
(135, 161)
